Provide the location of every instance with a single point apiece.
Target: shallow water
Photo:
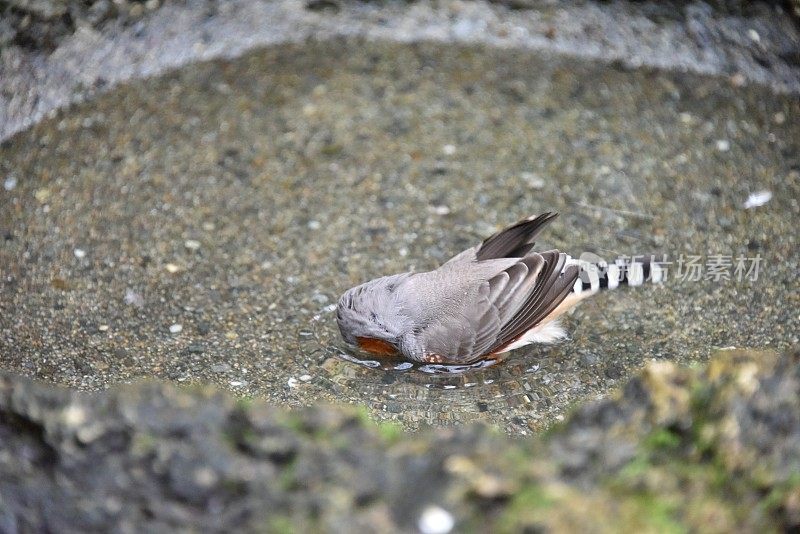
(199, 226)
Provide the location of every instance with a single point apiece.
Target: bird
(490, 299)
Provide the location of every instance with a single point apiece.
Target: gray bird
(487, 300)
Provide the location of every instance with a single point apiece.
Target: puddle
(192, 227)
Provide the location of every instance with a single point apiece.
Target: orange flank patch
(376, 346)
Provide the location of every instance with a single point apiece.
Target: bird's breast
(376, 346)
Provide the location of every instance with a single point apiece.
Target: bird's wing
(514, 241)
(507, 300)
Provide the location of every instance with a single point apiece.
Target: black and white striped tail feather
(596, 274)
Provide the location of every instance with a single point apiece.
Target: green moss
(524, 508)
(244, 403)
(332, 149)
(390, 432)
(655, 513)
(295, 422)
(773, 501)
(279, 524)
(286, 479)
(663, 438)
(143, 443)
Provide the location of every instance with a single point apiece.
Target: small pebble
(723, 145)
(292, 382)
(221, 367)
(103, 328)
(314, 225)
(753, 35)
(42, 195)
(759, 198)
(176, 328)
(439, 210)
(779, 118)
(79, 253)
(74, 415)
(435, 520)
(449, 150)
(192, 244)
(205, 477)
(532, 180)
(132, 298)
(172, 268)
(208, 226)
(738, 79)
(320, 298)
(9, 183)
(305, 378)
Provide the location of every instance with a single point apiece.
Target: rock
(715, 442)
(44, 9)
(435, 520)
(614, 370)
(221, 367)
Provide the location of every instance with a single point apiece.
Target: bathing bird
(492, 298)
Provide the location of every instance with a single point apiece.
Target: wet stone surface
(199, 226)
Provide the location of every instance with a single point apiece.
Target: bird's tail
(596, 274)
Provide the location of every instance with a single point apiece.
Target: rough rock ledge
(715, 449)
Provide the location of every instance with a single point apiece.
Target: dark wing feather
(552, 287)
(506, 291)
(509, 304)
(515, 240)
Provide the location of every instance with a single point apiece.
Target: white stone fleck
(759, 198)
(314, 225)
(439, 210)
(449, 150)
(292, 382)
(74, 415)
(435, 520)
(103, 328)
(533, 180)
(172, 268)
(205, 477)
(753, 35)
(132, 298)
(79, 253)
(723, 145)
(192, 244)
(305, 378)
(176, 328)
(9, 183)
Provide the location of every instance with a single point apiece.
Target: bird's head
(370, 316)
